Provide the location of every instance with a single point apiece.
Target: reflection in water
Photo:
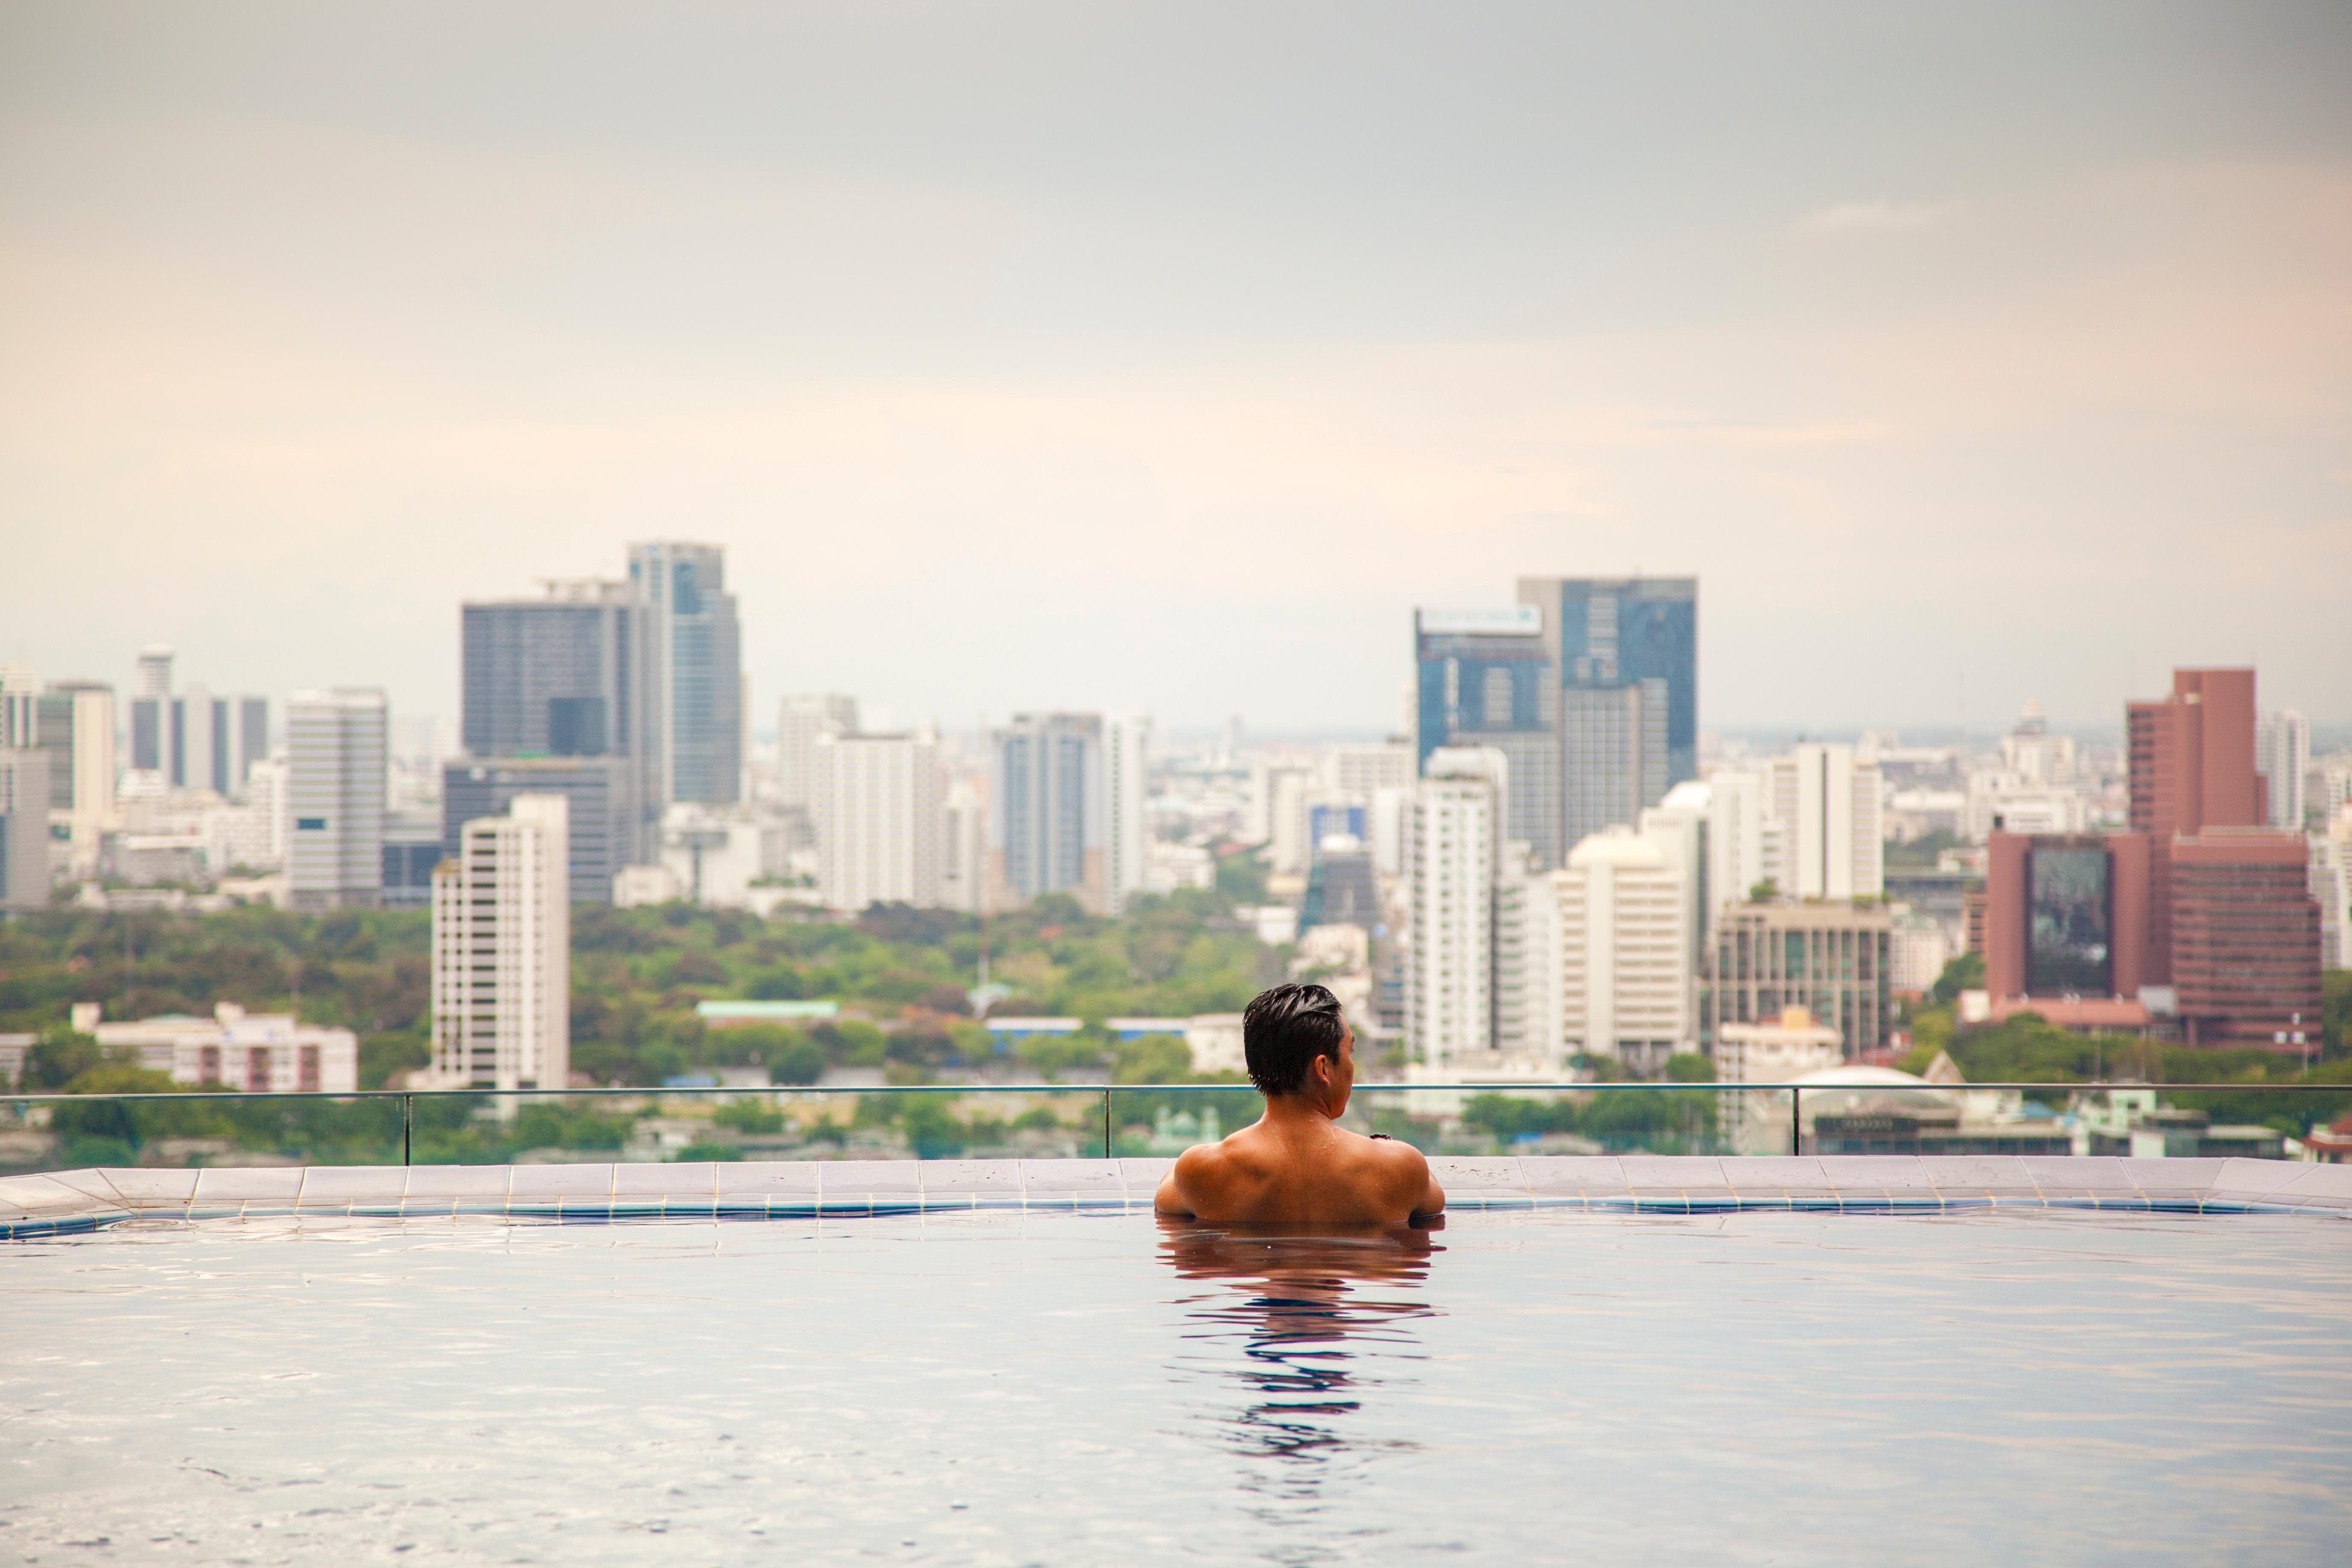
(1296, 1307)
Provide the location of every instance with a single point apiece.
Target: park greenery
(902, 977)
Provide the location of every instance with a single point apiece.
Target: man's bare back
(1292, 1165)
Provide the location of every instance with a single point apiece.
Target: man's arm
(1171, 1199)
(1415, 1178)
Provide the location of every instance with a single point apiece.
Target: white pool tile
(249, 1184)
(471, 1182)
(1143, 1175)
(1896, 1173)
(154, 1189)
(2077, 1172)
(770, 1178)
(969, 1177)
(1572, 1173)
(1468, 1171)
(338, 1186)
(697, 1179)
(1673, 1171)
(1980, 1172)
(901, 1177)
(45, 1195)
(1779, 1171)
(1090, 1178)
(539, 1183)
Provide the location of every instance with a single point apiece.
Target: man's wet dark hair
(1284, 1029)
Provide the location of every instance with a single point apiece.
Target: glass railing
(398, 1127)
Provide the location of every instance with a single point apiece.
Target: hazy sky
(1080, 354)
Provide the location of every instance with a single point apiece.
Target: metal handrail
(408, 1097)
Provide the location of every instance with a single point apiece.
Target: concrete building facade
(1453, 851)
(335, 797)
(502, 952)
(1830, 959)
(881, 818)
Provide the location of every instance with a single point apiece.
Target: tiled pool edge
(70, 1202)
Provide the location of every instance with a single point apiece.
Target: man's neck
(1287, 1110)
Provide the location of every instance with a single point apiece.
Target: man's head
(1285, 1032)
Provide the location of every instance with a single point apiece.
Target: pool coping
(67, 1201)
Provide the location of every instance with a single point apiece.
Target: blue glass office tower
(693, 667)
(1484, 678)
(1625, 652)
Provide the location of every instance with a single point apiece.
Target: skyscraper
(692, 670)
(800, 720)
(1485, 678)
(599, 818)
(1624, 653)
(2192, 759)
(76, 721)
(20, 701)
(150, 696)
(2283, 756)
(1453, 851)
(562, 676)
(880, 820)
(23, 828)
(1126, 742)
(1828, 805)
(335, 789)
(1047, 814)
(501, 953)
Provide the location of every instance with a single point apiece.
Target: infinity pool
(1076, 1389)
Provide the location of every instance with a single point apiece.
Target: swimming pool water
(1080, 1389)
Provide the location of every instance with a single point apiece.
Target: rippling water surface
(1083, 1390)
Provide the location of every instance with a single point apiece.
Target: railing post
(1106, 1121)
(1796, 1121)
(408, 1127)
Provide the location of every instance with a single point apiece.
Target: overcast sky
(1165, 356)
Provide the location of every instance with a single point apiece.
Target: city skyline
(2026, 379)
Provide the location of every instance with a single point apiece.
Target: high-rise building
(963, 878)
(881, 820)
(20, 705)
(501, 953)
(1828, 958)
(2067, 915)
(1624, 654)
(76, 728)
(2331, 888)
(2200, 908)
(1485, 678)
(2283, 757)
(2245, 937)
(1624, 948)
(800, 720)
(692, 670)
(152, 674)
(23, 828)
(335, 795)
(1454, 855)
(2191, 758)
(252, 738)
(150, 695)
(1126, 835)
(1829, 805)
(562, 676)
(601, 797)
(1048, 811)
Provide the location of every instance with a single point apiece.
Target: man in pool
(1294, 1165)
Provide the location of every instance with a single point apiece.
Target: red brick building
(2197, 896)
(2245, 937)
